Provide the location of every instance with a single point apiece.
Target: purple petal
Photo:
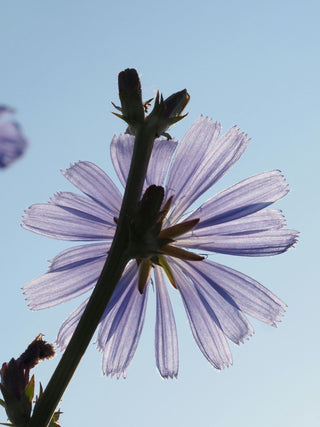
(233, 323)
(204, 324)
(96, 184)
(256, 222)
(121, 153)
(167, 356)
(160, 159)
(72, 273)
(70, 216)
(242, 199)
(209, 166)
(243, 292)
(76, 202)
(121, 150)
(264, 243)
(188, 158)
(12, 142)
(69, 325)
(4, 110)
(122, 323)
(76, 255)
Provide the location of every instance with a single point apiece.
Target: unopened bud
(17, 389)
(167, 112)
(176, 103)
(130, 95)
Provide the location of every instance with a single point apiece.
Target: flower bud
(130, 95)
(17, 389)
(176, 103)
(167, 112)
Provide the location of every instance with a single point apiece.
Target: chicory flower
(12, 141)
(167, 242)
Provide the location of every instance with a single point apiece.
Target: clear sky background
(250, 63)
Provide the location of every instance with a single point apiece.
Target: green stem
(107, 282)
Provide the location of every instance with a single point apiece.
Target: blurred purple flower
(12, 141)
(216, 298)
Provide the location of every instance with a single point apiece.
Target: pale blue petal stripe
(76, 255)
(72, 202)
(166, 342)
(205, 326)
(96, 184)
(188, 158)
(245, 198)
(65, 281)
(121, 150)
(122, 323)
(69, 325)
(221, 155)
(66, 224)
(233, 323)
(259, 221)
(243, 292)
(264, 243)
(160, 159)
(209, 161)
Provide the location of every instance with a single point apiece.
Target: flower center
(149, 243)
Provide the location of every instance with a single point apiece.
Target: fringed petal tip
(169, 376)
(105, 371)
(31, 305)
(60, 346)
(115, 374)
(282, 183)
(123, 373)
(281, 175)
(25, 216)
(226, 364)
(97, 345)
(71, 166)
(111, 373)
(297, 235)
(293, 241)
(245, 338)
(235, 129)
(279, 315)
(30, 302)
(208, 119)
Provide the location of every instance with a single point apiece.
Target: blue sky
(254, 64)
